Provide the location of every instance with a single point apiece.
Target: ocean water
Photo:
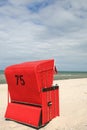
(60, 76)
(2, 77)
(70, 75)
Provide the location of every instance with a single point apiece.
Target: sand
(73, 107)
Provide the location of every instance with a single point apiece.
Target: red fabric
(23, 113)
(26, 80)
(49, 112)
(25, 84)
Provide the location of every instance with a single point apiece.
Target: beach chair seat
(33, 98)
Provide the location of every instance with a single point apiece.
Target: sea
(62, 75)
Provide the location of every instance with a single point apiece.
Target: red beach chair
(33, 99)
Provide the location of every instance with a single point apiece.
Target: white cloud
(57, 30)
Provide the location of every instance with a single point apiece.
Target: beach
(73, 107)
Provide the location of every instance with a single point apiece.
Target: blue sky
(44, 29)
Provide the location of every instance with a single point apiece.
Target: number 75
(19, 79)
